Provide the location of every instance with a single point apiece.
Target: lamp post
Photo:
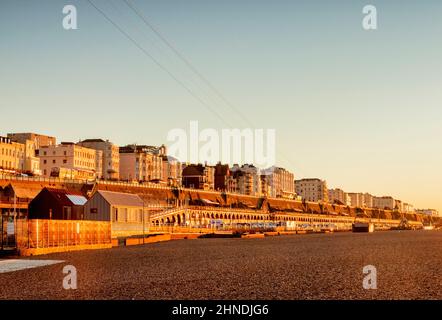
(142, 218)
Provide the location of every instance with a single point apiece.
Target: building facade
(248, 179)
(141, 163)
(198, 176)
(111, 157)
(69, 160)
(368, 200)
(278, 182)
(385, 202)
(428, 212)
(12, 156)
(172, 170)
(39, 140)
(338, 196)
(407, 207)
(312, 189)
(357, 199)
(224, 180)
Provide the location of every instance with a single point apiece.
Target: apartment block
(278, 182)
(12, 156)
(428, 212)
(39, 140)
(172, 170)
(111, 157)
(248, 179)
(338, 196)
(407, 207)
(141, 163)
(368, 200)
(198, 176)
(69, 160)
(357, 199)
(312, 189)
(398, 205)
(385, 202)
(224, 180)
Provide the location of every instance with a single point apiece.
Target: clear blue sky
(359, 109)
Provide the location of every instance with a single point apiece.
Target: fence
(39, 233)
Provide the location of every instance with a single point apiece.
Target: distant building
(12, 156)
(248, 179)
(197, 176)
(224, 180)
(111, 157)
(398, 205)
(57, 204)
(338, 196)
(312, 189)
(39, 140)
(385, 202)
(30, 164)
(141, 163)
(368, 200)
(69, 160)
(407, 207)
(357, 199)
(172, 170)
(278, 182)
(428, 212)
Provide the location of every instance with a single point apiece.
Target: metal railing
(40, 233)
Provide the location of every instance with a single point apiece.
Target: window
(65, 161)
(53, 161)
(45, 161)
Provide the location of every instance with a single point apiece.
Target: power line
(185, 60)
(157, 62)
(132, 6)
(182, 58)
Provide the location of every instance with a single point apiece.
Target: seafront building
(18, 157)
(312, 189)
(171, 171)
(224, 180)
(198, 176)
(39, 140)
(71, 161)
(111, 157)
(35, 154)
(407, 208)
(368, 200)
(357, 199)
(338, 196)
(32, 143)
(277, 182)
(141, 163)
(12, 156)
(248, 180)
(428, 212)
(385, 202)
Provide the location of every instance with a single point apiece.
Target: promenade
(315, 266)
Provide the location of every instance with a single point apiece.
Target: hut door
(67, 213)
